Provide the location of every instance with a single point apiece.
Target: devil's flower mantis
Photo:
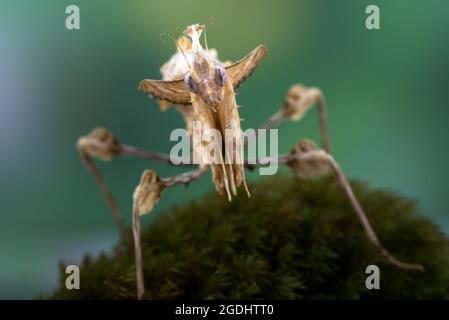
(202, 89)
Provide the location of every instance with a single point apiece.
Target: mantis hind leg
(105, 192)
(308, 161)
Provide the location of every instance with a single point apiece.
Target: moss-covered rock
(292, 239)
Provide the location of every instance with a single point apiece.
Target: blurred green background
(386, 91)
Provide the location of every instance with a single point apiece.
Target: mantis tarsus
(202, 88)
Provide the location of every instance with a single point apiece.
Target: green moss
(292, 240)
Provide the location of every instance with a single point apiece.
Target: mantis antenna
(205, 39)
(184, 55)
(180, 49)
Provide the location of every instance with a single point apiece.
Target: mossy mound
(292, 239)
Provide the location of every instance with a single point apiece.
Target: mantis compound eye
(220, 75)
(190, 83)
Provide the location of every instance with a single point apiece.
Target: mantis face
(206, 80)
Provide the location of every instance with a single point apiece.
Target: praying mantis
(202, 89)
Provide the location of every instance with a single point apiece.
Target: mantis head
(207, 77)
